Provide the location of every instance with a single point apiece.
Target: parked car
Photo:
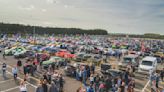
(20, 54)
(24, 54)
(132, 59)
(43, 56)
(53, 60)
(14, 50)
(65, 54)
(105, 67)
(82, 57)
(70, 70)
(148, 63)
(113, 73)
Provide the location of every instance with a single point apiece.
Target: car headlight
(139, 69)
(66, 68)
(119, 63)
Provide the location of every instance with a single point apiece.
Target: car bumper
(121, 67)
(146, 72)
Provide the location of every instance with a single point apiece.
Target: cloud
(65, 6)
(69, 19)
(50, 1)
(43, 10)
(29, 8)
(47, 23)
(125, 16)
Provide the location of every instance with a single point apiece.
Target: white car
(148, 63)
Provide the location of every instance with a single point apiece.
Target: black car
(105, 67)
(29, 54)
(70, 70)
(83, 57)
(113, 73)
(159, 59)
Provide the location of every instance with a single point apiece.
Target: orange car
(65, 54)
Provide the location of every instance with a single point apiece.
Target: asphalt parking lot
(9, 85)
(141, 81)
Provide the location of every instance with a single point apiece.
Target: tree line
(6, 28)
(146, 35)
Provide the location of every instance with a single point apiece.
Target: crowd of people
(51, 80)
(155, 78)
(51, 83)
(123, 83)
(105, 83)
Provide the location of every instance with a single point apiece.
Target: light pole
(34, 38)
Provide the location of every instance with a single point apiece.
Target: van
(148, 63)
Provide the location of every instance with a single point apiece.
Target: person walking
(23, 87)
(49, 75)
(32, 69)
(126, 78)
(45, 87)
(131, 86)
(122, 87)
(4, 56)
(15, 72)
(157, 80)
(61, 82)
(4, 67)
(153, 87)
(102, 87)
(53, 87)
(25, 70)
(162, 74)
(19, 64)
(40, 87)
(108, 82)
(90, 89)
(91, 79)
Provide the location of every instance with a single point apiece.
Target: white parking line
(18, 77)
(22, 79)
(143, 90)
(6, 81)
(1, 73)
(10, 89)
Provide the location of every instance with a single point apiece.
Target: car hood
(21, 52)
(145, 67)
(47, 62)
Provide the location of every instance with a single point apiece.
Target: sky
(115, 16)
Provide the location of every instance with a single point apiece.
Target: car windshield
(81, 55)
(148, 63)
(114, 73)
(127, 60)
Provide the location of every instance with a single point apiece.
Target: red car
(65, 54)
(44, 56)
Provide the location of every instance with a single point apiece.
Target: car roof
(149, 58)
(131, 56)
(114, 70)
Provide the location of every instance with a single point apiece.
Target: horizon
(81, 28)
(121, 16)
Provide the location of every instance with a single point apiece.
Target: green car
(20, 53)
(52, 60)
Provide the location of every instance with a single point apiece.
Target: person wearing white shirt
(15, 72)
(23, 87)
